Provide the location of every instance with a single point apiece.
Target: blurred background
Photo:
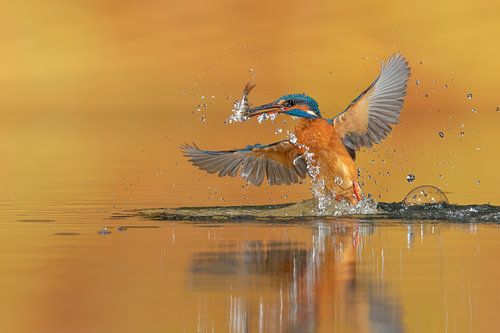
(97, 96)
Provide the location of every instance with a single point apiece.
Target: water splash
(318, 186)
(425, 194)
(241, 107)
(324, 199)
(263, 117)
(303, 212)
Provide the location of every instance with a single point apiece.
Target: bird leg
(357, 190)
(345, 194)
(351, 194)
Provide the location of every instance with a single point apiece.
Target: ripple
(36, 220)
(304, 211)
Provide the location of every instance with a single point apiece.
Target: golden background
(97, 96)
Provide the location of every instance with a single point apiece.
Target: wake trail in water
(305, 210)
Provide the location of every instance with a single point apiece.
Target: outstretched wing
(369, 118)
(280, 162)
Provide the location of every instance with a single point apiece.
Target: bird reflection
(299, 287)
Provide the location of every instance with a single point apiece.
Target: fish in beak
(241, 107)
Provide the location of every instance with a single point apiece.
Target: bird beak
(265, 108)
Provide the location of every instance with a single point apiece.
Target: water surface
(315, 274)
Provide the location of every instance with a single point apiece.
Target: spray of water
(318, 186)
(326, 204)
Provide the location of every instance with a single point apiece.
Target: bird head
(296, 105)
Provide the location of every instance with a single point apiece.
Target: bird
(330, 143)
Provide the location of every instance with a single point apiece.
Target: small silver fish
(241, 107)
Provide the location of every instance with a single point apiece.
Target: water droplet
(104, 231)
(498, 108)
(441, 134)
(272, 116)
(339, 180)
(262, 117)
(202, 97)
(478, 182)
(434, 82)
(469, 95)
(462, 133)
(410, 178)
(426, 95)
(203, 118)
(474, 110)
(445, 86)
(278, 131)
(440, 176)
(417, 82)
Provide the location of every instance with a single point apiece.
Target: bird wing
(370, 116)
(280, 162)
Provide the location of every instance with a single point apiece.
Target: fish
(241, 107)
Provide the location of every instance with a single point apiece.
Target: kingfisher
(331, 142)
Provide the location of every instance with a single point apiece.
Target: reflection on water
(58, 274)
(301, 286)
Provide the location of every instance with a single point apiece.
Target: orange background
(97, 96)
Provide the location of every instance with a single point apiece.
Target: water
(306, 210)
(81, 261)
(238, 269)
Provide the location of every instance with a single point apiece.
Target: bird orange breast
(321, 138)
(314, 133)
(329, 151)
